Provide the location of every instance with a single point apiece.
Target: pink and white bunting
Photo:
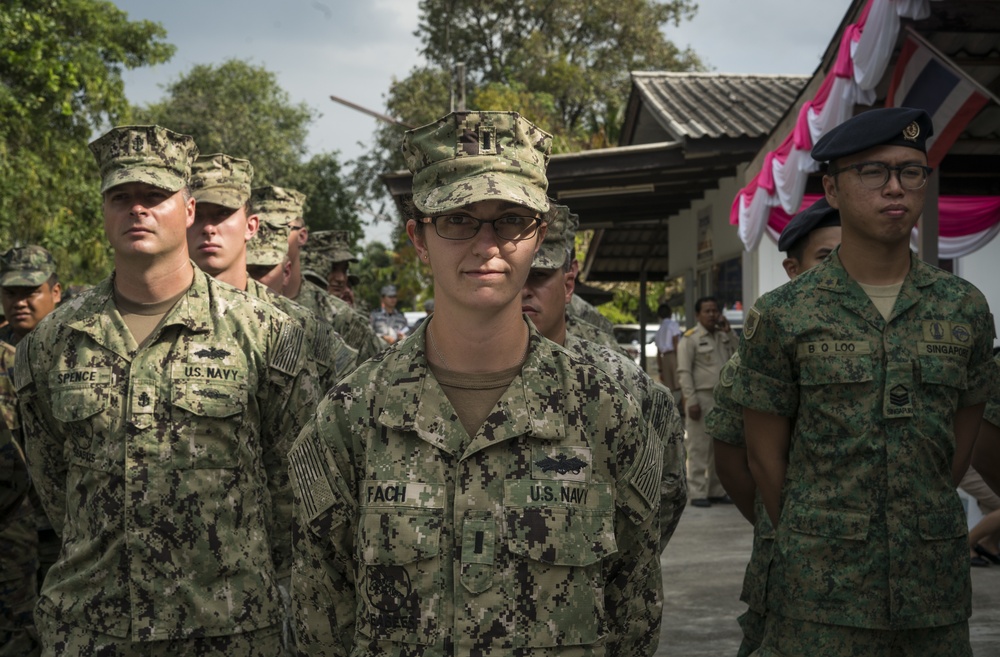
(865, 50)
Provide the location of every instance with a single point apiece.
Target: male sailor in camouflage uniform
(29, 291)
(219, 241)
(281, 210)
(158, 407)
(440, 516)
(544, 299)
(863, 383)
(807, 239)
(329, 253)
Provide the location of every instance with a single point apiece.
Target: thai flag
(925, 79)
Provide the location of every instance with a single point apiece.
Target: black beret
(817, 215)
(889, 126)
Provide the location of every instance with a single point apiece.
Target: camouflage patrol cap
(26, 266)
(144, 153)
(467, 157)
(315, 263)
(559, 238)
(270, 245)
(222, 180)
(277, 204)
(334, 245)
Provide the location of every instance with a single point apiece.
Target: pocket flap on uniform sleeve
(831, 523)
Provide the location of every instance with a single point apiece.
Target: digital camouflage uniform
(872, 532)
(352, 326)
(277, 208)
(700, 357)
(587, 331)
(662, 421)
(14, 484)
(18, 544)
(28, 545)
(163, 468)
(725, 422)
(579, 308)
(992, 412)
(539, 535)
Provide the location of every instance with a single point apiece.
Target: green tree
(238, 109)
(564, 64)
(61, 64)
(330, 204)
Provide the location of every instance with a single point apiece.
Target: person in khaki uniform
(477, 489)
(158, 407)
(281, 210)
(29, 291)
(544, 300)
(863, 383)
(701, 353)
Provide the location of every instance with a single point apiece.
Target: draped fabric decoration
(966, 223)
(865, 50)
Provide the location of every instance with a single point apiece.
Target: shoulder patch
(323, 346)
(751, 323)
(288, 350)
(22, 368)
(643, 478)
(690, 331)
(728, 373)
(309, 477)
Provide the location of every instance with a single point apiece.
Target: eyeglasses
(875, 175)
(511, 227)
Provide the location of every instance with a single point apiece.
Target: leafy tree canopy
(240, 109)
(564, 64)
(61, 64)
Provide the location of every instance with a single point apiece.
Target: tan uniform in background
(700, 357)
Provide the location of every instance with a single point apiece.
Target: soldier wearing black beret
(863, 382)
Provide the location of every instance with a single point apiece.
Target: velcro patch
(288, 349)
(751, 323)
(832, 348)
(645, 474)
(22, 369)
(309, 476)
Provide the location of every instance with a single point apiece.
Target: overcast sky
(353, 49)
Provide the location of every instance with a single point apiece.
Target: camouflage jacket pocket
(206, 418)
(940, 570)
(944, 371)
(400, 574)
(558, 588)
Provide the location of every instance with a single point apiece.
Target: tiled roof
(696, 105)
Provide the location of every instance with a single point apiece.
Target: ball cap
(26, 266)
(558, 242)
(467, 157)
(269, 246)
(222, 180)
(334, 245)
(817, 215)
(889, 126)
(277, 204)
(144, 153)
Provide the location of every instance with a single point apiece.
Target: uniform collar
(415, 402)
(832, 277)
(97, 315)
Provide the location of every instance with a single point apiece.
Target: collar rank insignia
(561, 464)
(212, 352)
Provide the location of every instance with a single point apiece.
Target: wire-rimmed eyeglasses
(510, 227)
(875, 175)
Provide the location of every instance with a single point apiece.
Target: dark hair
(53, 280)
(697, 304)
(798, 249)
(664, 311)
